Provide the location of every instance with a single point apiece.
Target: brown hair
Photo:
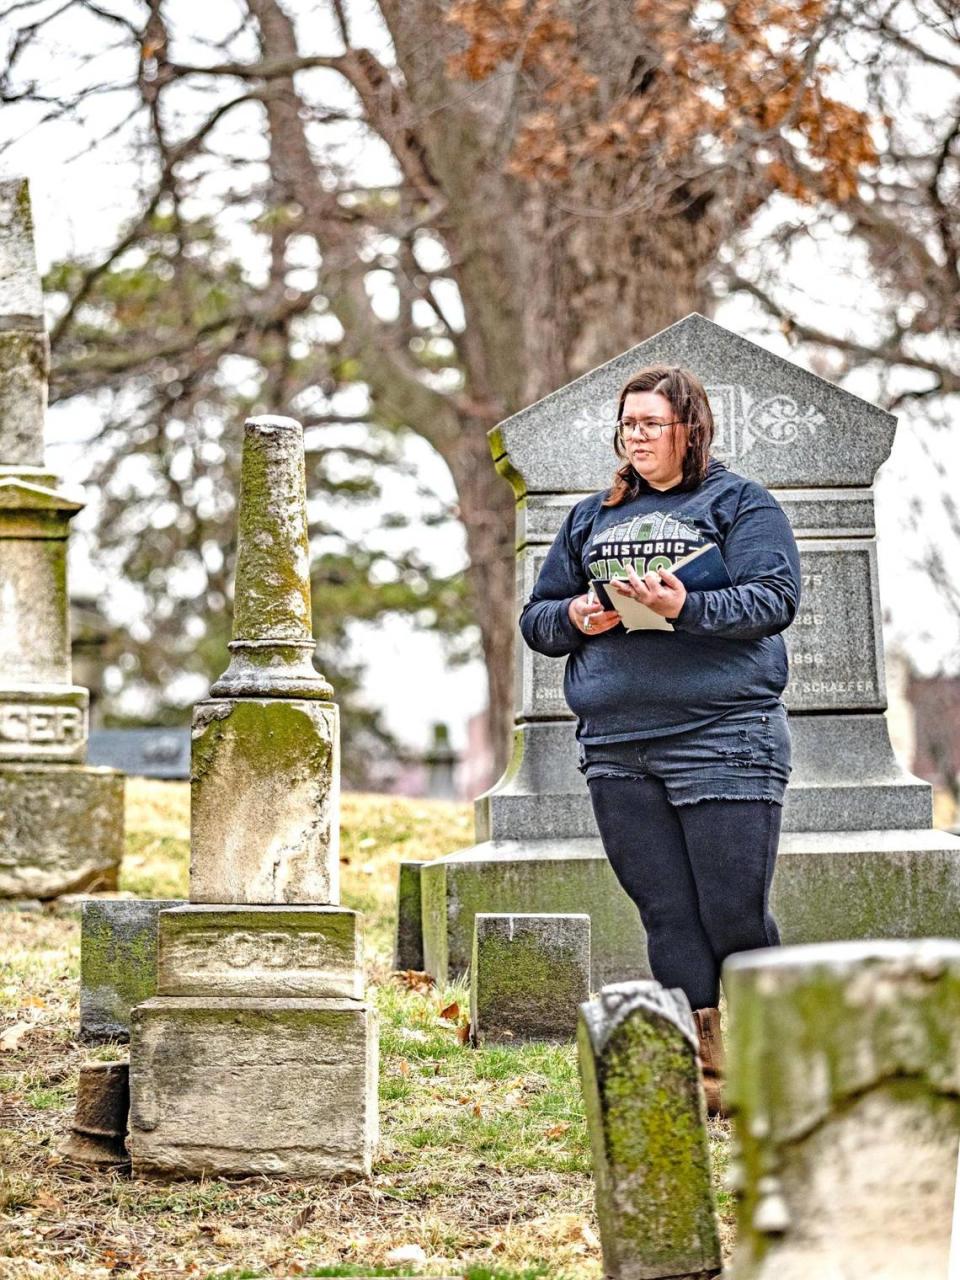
(689, 403)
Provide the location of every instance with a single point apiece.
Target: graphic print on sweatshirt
(648, 543)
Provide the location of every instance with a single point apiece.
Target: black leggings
(699, 874)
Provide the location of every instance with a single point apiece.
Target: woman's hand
(662, 592)
(589, 616)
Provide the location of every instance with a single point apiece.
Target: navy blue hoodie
(725, 651)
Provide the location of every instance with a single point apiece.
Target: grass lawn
(484, 1161)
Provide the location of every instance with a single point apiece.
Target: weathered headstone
(648, 1133)
(528, 976)
(858, 857)
(258, 1053)
(845, 1089)
(118, 962)
(61, 821)
(408, 941)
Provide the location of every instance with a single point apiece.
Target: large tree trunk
(546, 294)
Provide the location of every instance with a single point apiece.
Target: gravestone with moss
(528, 977)
(118, 962)
(259, 1054)
(648, 1134)
(61, 820)
(844, 1083)
(858, 857)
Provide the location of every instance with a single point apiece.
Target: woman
(683, 737)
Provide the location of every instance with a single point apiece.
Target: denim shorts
(745, 755)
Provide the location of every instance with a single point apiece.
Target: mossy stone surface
(242, 1086)
(648, 1134)
(529, 976)
(118, 962)
(408, 943)
(78, 844)
(265, 801)
(260, 951)
(272, 594)
(565, 876)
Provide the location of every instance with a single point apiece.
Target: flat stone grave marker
(529, 976)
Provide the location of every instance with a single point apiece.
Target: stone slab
(79, 843)
(648, 1134)
(835, 645)
(267, 951)
(563, 876)
(529, 974)
(265, 791)
(845, 1084)
(38, 724)
(813, 513)
(118, 962)
(827, 885)
(234, 1086)
(776, 422)
(408, 939)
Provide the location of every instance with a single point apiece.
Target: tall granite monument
(259, 1054)
(61, 821)
(858, 857)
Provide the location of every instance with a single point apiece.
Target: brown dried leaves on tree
(748, 81)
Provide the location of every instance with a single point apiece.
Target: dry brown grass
(484, 1159)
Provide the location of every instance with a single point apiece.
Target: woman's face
(659, 462)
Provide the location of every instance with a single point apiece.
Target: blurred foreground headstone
(845, 1086)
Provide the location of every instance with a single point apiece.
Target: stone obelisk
(61, 821)
(258, 1054)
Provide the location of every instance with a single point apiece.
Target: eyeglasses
(645, 428)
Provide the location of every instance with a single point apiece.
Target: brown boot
(712, 1060)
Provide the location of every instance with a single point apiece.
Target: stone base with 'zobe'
(529, 976)
(648, 1134)
(845, 1088)
(258, 1053)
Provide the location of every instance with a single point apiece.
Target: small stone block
(241, 1086)
(118, 962)
(408, 947)
(265, 802)
(78, 844)
(648, 1133)
(530, 973)
(310, 952)
(100, 1121)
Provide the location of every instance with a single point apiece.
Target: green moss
(268, 735)
(524, 985)
(650, 1147)
(453, 891)
(273, 582)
